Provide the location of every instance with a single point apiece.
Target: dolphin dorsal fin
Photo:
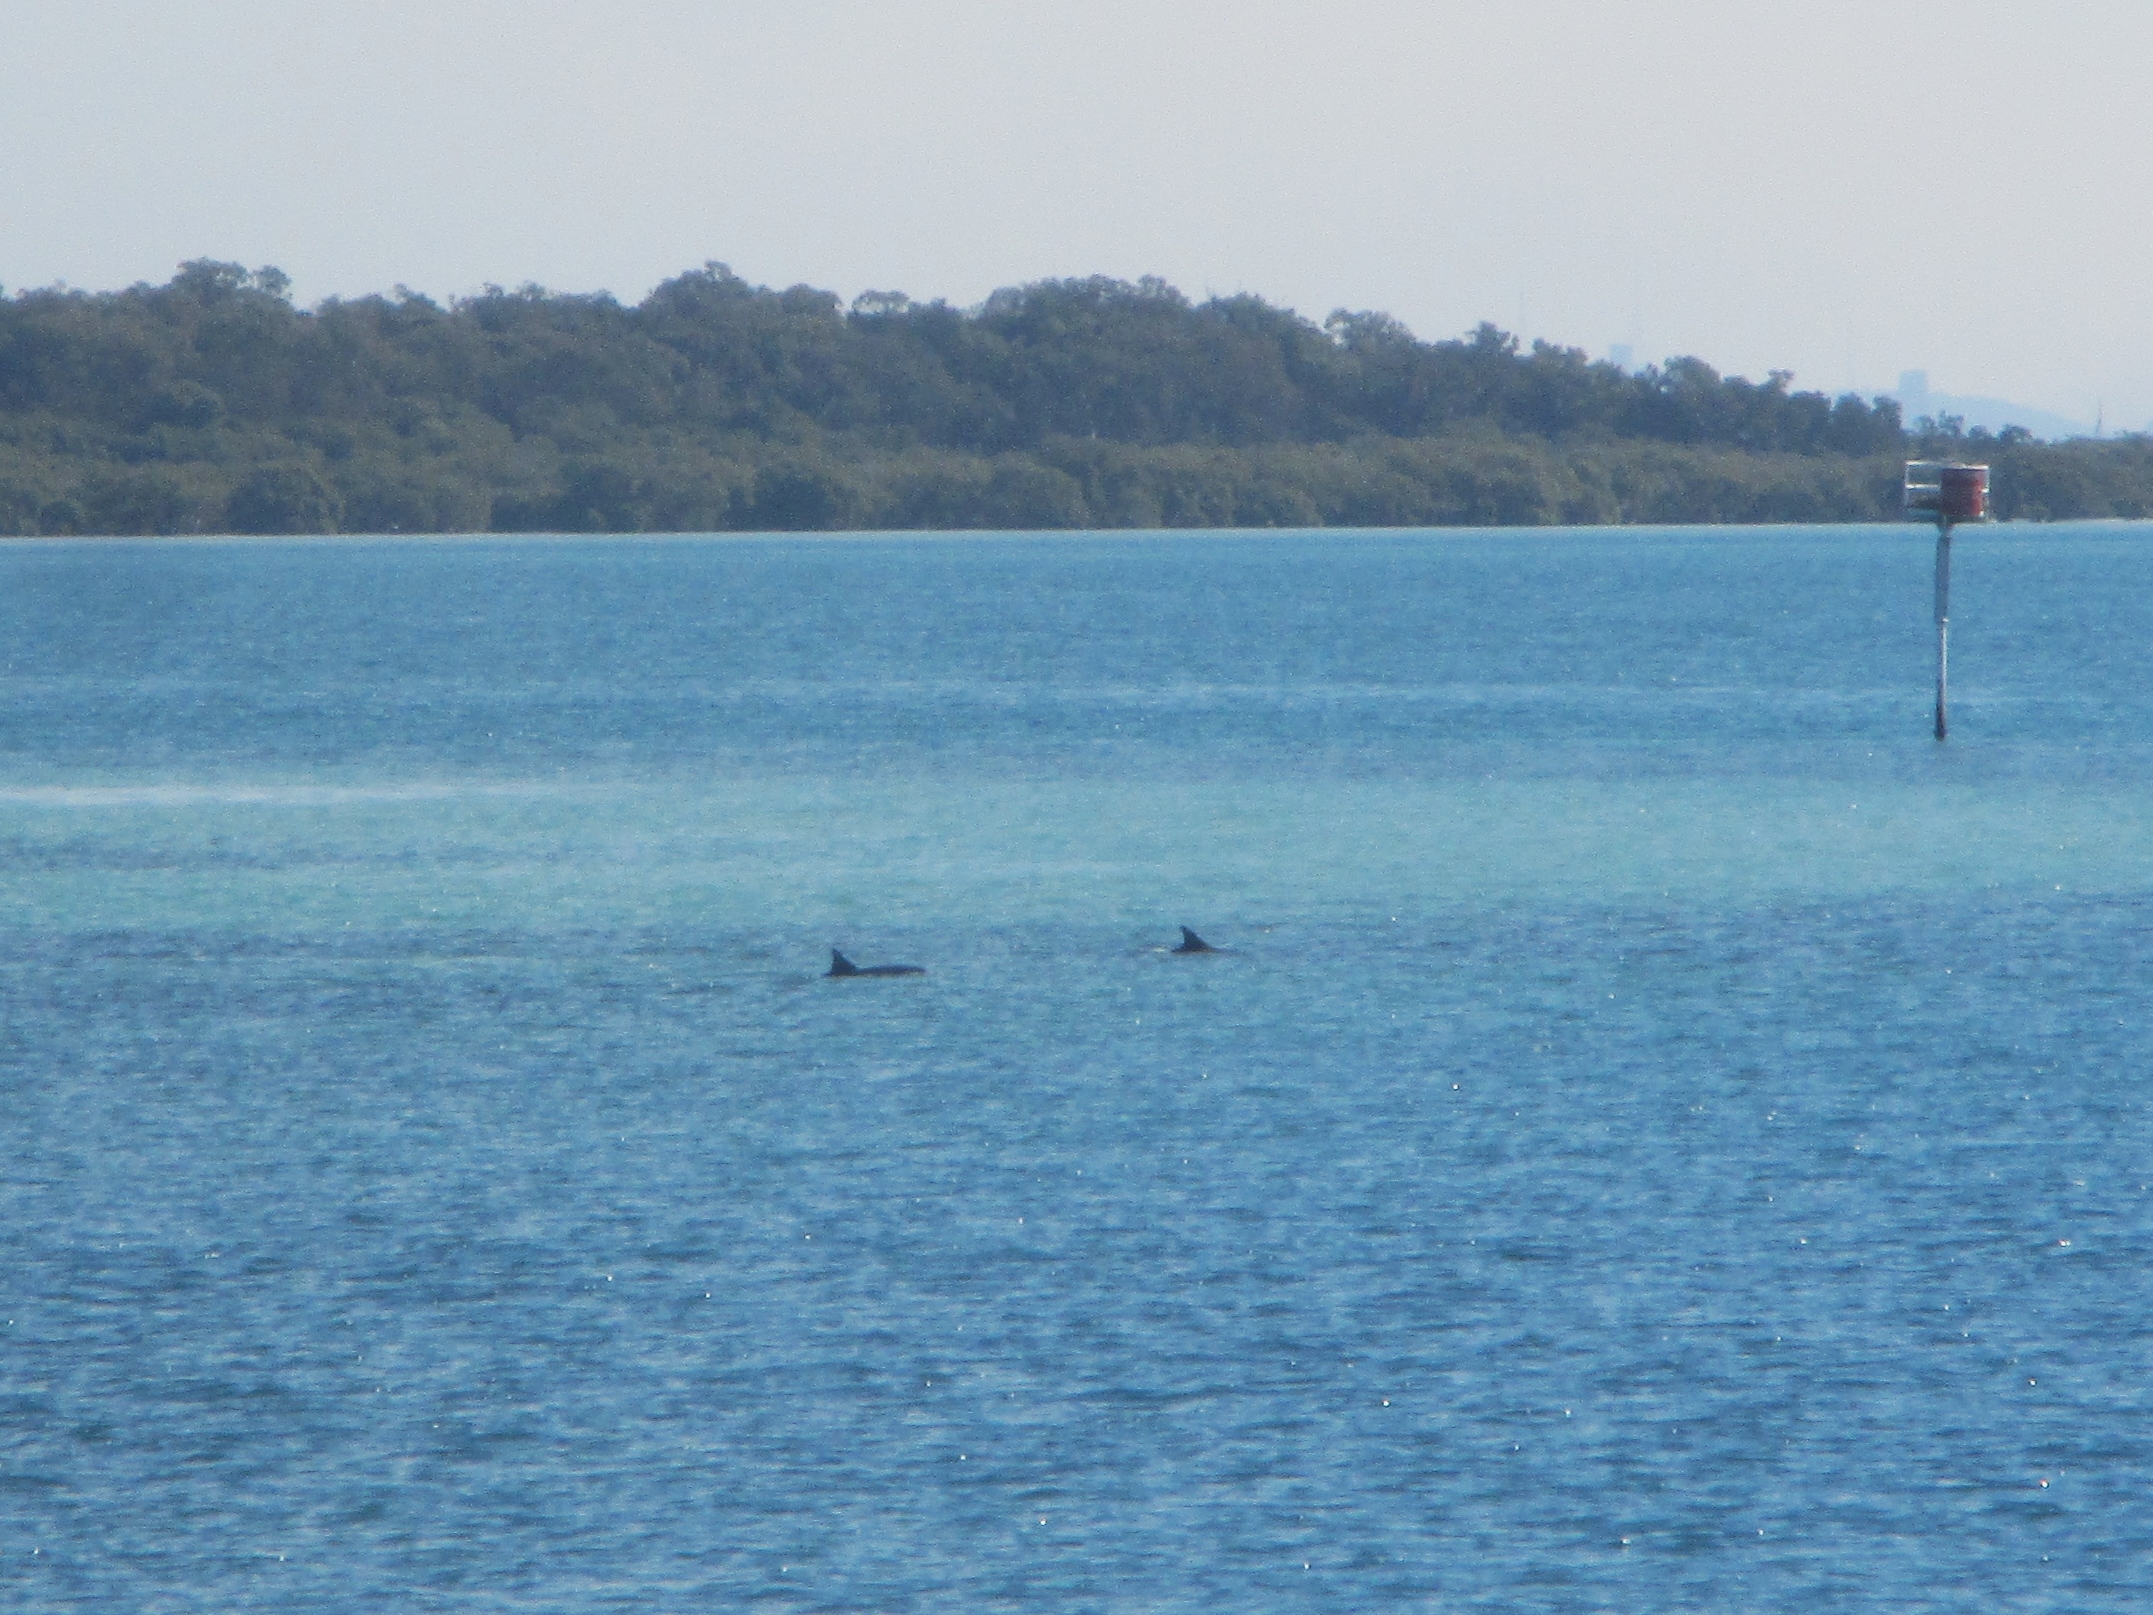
(1192, 943)
(842, 966)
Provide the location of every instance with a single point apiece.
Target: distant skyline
(1848, 191)
(1918, 399)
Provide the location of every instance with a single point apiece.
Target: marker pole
(1943, 615)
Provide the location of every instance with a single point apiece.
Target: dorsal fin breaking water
(842, 966)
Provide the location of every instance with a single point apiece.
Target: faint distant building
(1916, 403)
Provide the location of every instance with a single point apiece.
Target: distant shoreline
(966, 534)
(212, 405)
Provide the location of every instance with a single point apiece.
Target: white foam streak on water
(184, 793)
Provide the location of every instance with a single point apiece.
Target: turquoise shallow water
(1667, 1134)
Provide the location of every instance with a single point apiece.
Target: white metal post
(1943, 616)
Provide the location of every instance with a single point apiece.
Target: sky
(1842, 190)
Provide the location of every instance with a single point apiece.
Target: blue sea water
(1666, 1134)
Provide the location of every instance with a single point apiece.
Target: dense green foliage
(211, 403)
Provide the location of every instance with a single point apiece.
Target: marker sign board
(1947, 493)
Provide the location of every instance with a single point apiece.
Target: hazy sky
(1844, 190)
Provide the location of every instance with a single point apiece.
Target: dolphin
(1192, 943)
(842, 966)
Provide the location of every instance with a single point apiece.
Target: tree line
(213, 404)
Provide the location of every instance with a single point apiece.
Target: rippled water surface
(1664, 1133)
